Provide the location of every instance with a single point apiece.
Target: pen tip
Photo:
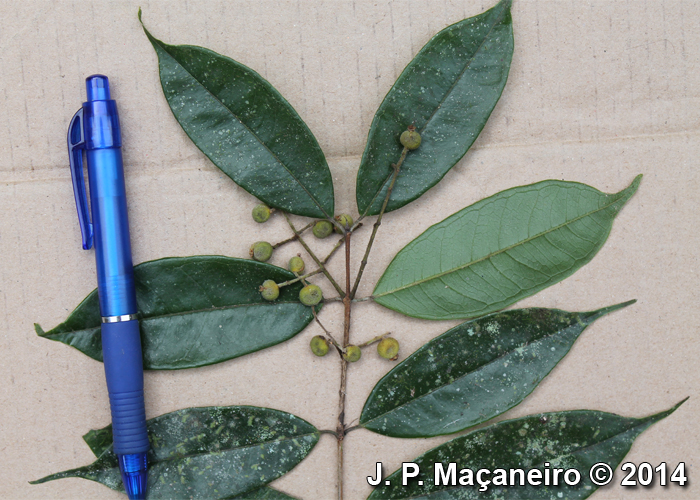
(134, 475)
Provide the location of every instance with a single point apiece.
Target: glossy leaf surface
(473, 372)
(568, 439)
(500, 250)
(447, 92)
(213, 453)
(196, 311)
(246, 128)
(100, 441)
(264, 493)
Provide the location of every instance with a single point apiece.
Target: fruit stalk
(396, 167)
(313, 256)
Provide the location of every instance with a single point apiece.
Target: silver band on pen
(118, 319)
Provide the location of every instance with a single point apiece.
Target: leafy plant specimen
(188, 309)
(563, 440)
(473, 372)
(216, 452)
(447, 92)
(225, 108)
(203, 310)
(488, 256)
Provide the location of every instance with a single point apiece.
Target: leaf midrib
(183, 313)
(490, 362)
(578, 450)
(210, 452)
(163, 46)
(441, 102)
(497, 252)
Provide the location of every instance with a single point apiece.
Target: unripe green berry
(344, 220)
(410, 139)
(261, 213)
(319, 345)
(322, 229)
(310, 295)
(269, 290)
(388, 348)
(352, 353)
(261, 251)
(296, 265)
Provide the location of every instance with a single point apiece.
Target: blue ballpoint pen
(95, 131)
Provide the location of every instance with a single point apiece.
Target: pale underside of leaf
(473, 372)
(500, 250)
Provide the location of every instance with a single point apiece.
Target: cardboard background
(598, 92)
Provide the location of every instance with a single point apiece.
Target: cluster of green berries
(261, 250)
(387, 348)
(324, 228)
(310, 295)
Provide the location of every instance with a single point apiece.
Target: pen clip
(76, 145)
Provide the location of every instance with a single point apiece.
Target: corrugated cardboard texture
(598, 93)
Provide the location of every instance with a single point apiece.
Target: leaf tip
(39, 330)
(148, 34)
(632, 188)
(637, 180)
(591, 316)
(663, 414)
(42, 480)
(678, 405)
(506, 3)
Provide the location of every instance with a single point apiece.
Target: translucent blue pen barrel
(121, 343)
(115, 271)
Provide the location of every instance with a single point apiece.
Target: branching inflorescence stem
(293, 238)
(347, 298)
(313, 256)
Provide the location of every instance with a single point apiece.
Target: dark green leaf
(448, 92)
(100, 441)
(196, 311)
(246, 128)
(500, 250)
(213, 453)
(473, 372)
(264, 493)
(568, 439)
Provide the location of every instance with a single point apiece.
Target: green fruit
(310, 295)
(410, 139)
(261, 213)
(296, 265)
(319, 345)
(322, 229)
(261, 251)
(269, 290)
(388, 348)
(344, 220)
(352, 353)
